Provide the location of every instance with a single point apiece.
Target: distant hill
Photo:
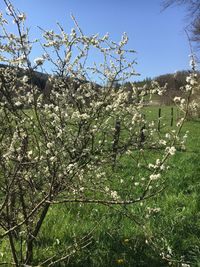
(174, 81)
(37, 78)
(43, 84)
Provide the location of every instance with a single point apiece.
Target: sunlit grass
(111, 238)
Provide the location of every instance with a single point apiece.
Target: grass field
(93, 235)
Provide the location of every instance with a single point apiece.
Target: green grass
(117, 240)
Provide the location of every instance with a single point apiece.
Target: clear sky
(158, 37)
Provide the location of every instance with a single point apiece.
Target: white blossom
(154, 177)
(171, 150)
(39, 60)
(25, 79)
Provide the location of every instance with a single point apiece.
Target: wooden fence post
(142, 134)
(172, 116)
(159, 118)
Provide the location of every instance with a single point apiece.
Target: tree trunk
(32, 236)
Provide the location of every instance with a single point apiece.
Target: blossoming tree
(61, 145)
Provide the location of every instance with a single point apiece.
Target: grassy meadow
(97, 235)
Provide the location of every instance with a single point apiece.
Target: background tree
(193, 8)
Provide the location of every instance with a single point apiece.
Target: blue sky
(158, 37)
